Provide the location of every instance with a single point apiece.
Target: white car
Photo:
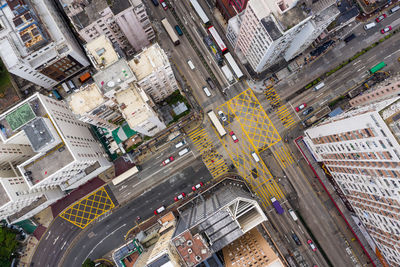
(222, 115)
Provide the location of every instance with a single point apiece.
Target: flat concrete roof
(90, 12)
(135, 110)
(114, 75)
(102, 51)
(87, 99)
(39, 134)
(145, 62)
(4, 199)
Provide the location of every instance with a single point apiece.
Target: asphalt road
(108, 234)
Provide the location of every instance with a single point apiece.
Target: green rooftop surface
(122, 133)
(20, 116)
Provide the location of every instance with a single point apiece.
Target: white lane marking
(55, 240)
(63, 245)
(360, 69)
(358, 61)
(48, 234)
(105, 239)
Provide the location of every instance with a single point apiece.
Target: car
(313, 247)
(308, 111)
(296, 239)
(163, 4)
(197, 186)
(168, 160)
(222, 115)
(380, 18)
(302, 106)
(179, 197)
(159, 210)
(386, 29)
(234, 138)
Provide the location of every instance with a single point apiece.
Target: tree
(8, 244)
(88, 263)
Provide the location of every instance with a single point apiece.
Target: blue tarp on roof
(335, 112)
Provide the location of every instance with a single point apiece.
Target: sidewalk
(361, 250)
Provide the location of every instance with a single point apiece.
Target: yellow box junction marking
(83, 212)
(214, 162)
(258, 129)
(282, 111)
(253, 119)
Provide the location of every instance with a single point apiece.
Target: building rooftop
(101, 52)
(120, 5)
(133, 107)
(86, 99)
(114, 76)
(254, 251)
(145, 62)
(90, 11)
(39, 134)
(4, 199)
(159, 254)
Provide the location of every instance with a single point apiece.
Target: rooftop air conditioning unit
(198, 258)
(190, 251)
(189, 243)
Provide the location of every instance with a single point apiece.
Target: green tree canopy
(8, 244)
(88, 263)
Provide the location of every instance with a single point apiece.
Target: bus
(172, 35)
(377, 67)
(233, 65)
(217, 39)
(125, 175)
(277, 205)
(217, 124)
(196, 6)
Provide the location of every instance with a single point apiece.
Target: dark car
(254, 172)
(308, 111)
(296, 239)
(349, 38)
(210, 83)
(178, 30)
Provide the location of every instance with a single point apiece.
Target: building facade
(63, 153)
(270, 31)
(154, 73)
(361, 150)
(125, 22)
(230, 8)
(36, 44)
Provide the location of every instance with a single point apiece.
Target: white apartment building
(361, 149)
(124, 22)
(90, 106)
(269, 31)
(154, 73)
(63, 153)
(36, 44)
(140, 116)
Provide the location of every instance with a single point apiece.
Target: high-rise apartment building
(124, 22)
(90, 106)
(272, 30)
(361, 149)
(36, 44)
(154, 73)
(62, 152)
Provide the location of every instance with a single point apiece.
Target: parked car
(159, 210)
(234, 138)
(380, 18)
(197, 186)
(308, 111)
(302, 106)
(221, 115)
(179, 197)
(313, 247)
(163, 4)
(386, 29)
(168, 160)
(296, 239)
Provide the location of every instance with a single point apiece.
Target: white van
(293, 215)
(66, 88)
(255, 157)
(191, 65)
(181, 143)
(319, 86)
(369, 25)
(206, 91)
(183, 151)
(394, 9)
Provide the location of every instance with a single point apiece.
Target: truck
(228, 74)
(277, 205)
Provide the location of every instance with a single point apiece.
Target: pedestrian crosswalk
(281, 110)
(283, 156)
(214, 162)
